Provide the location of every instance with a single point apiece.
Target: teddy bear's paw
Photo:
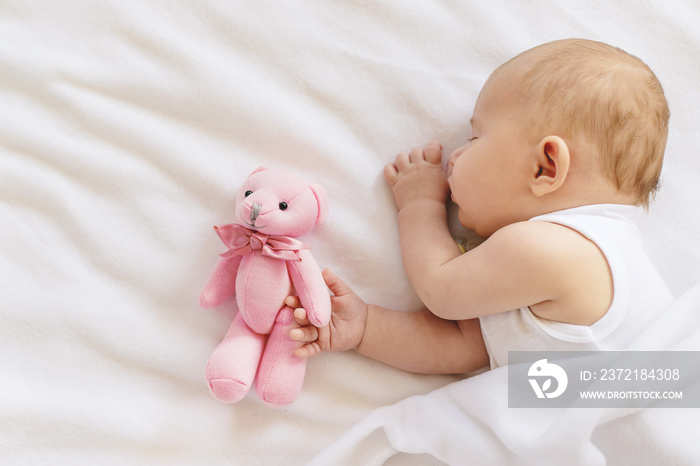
(228, 390)
(280, 395)
(278, 403)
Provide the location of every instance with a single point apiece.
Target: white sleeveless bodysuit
(639, 292)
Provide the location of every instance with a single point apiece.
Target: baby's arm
(413, 341)
(420, 189)
(423, 343)
(522, 264)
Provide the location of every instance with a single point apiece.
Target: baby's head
(584, 89)
(567, 123)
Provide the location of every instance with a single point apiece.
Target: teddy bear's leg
(281, 374)
(233, 364)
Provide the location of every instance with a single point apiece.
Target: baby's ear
(322, 201)
(551, 165)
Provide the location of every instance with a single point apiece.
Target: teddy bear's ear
(259, 169)
(322, 201)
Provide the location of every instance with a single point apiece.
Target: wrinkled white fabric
(127, 127)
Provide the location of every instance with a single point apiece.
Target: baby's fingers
(301, 318)
(304, 334)
(308, 350)
(390, 173)
(433, 152)
(292, 301)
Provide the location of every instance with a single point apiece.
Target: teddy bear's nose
(254, 212)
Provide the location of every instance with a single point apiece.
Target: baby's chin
(479, 228)
(465, 220)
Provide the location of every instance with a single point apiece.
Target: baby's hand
(418, 175)
(345, 329)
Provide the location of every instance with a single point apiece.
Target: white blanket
(126, 127)
(469, 422)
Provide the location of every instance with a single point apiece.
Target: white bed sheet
(126, 127)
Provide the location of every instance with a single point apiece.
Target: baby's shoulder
(541, 237)
(574, 266)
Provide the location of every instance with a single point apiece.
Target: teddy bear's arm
(221, 283)
(311, 289)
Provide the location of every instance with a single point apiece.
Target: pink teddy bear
(264, 265)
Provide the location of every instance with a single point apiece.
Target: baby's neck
(578, 198)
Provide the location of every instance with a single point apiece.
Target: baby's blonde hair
(611, 98)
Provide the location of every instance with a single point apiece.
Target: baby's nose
(451, 163)
(455, 154)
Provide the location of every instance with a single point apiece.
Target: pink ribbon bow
(241, 241)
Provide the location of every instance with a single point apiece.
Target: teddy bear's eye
(248, 193)
(283, 206)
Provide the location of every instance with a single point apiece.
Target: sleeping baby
(567, 145)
